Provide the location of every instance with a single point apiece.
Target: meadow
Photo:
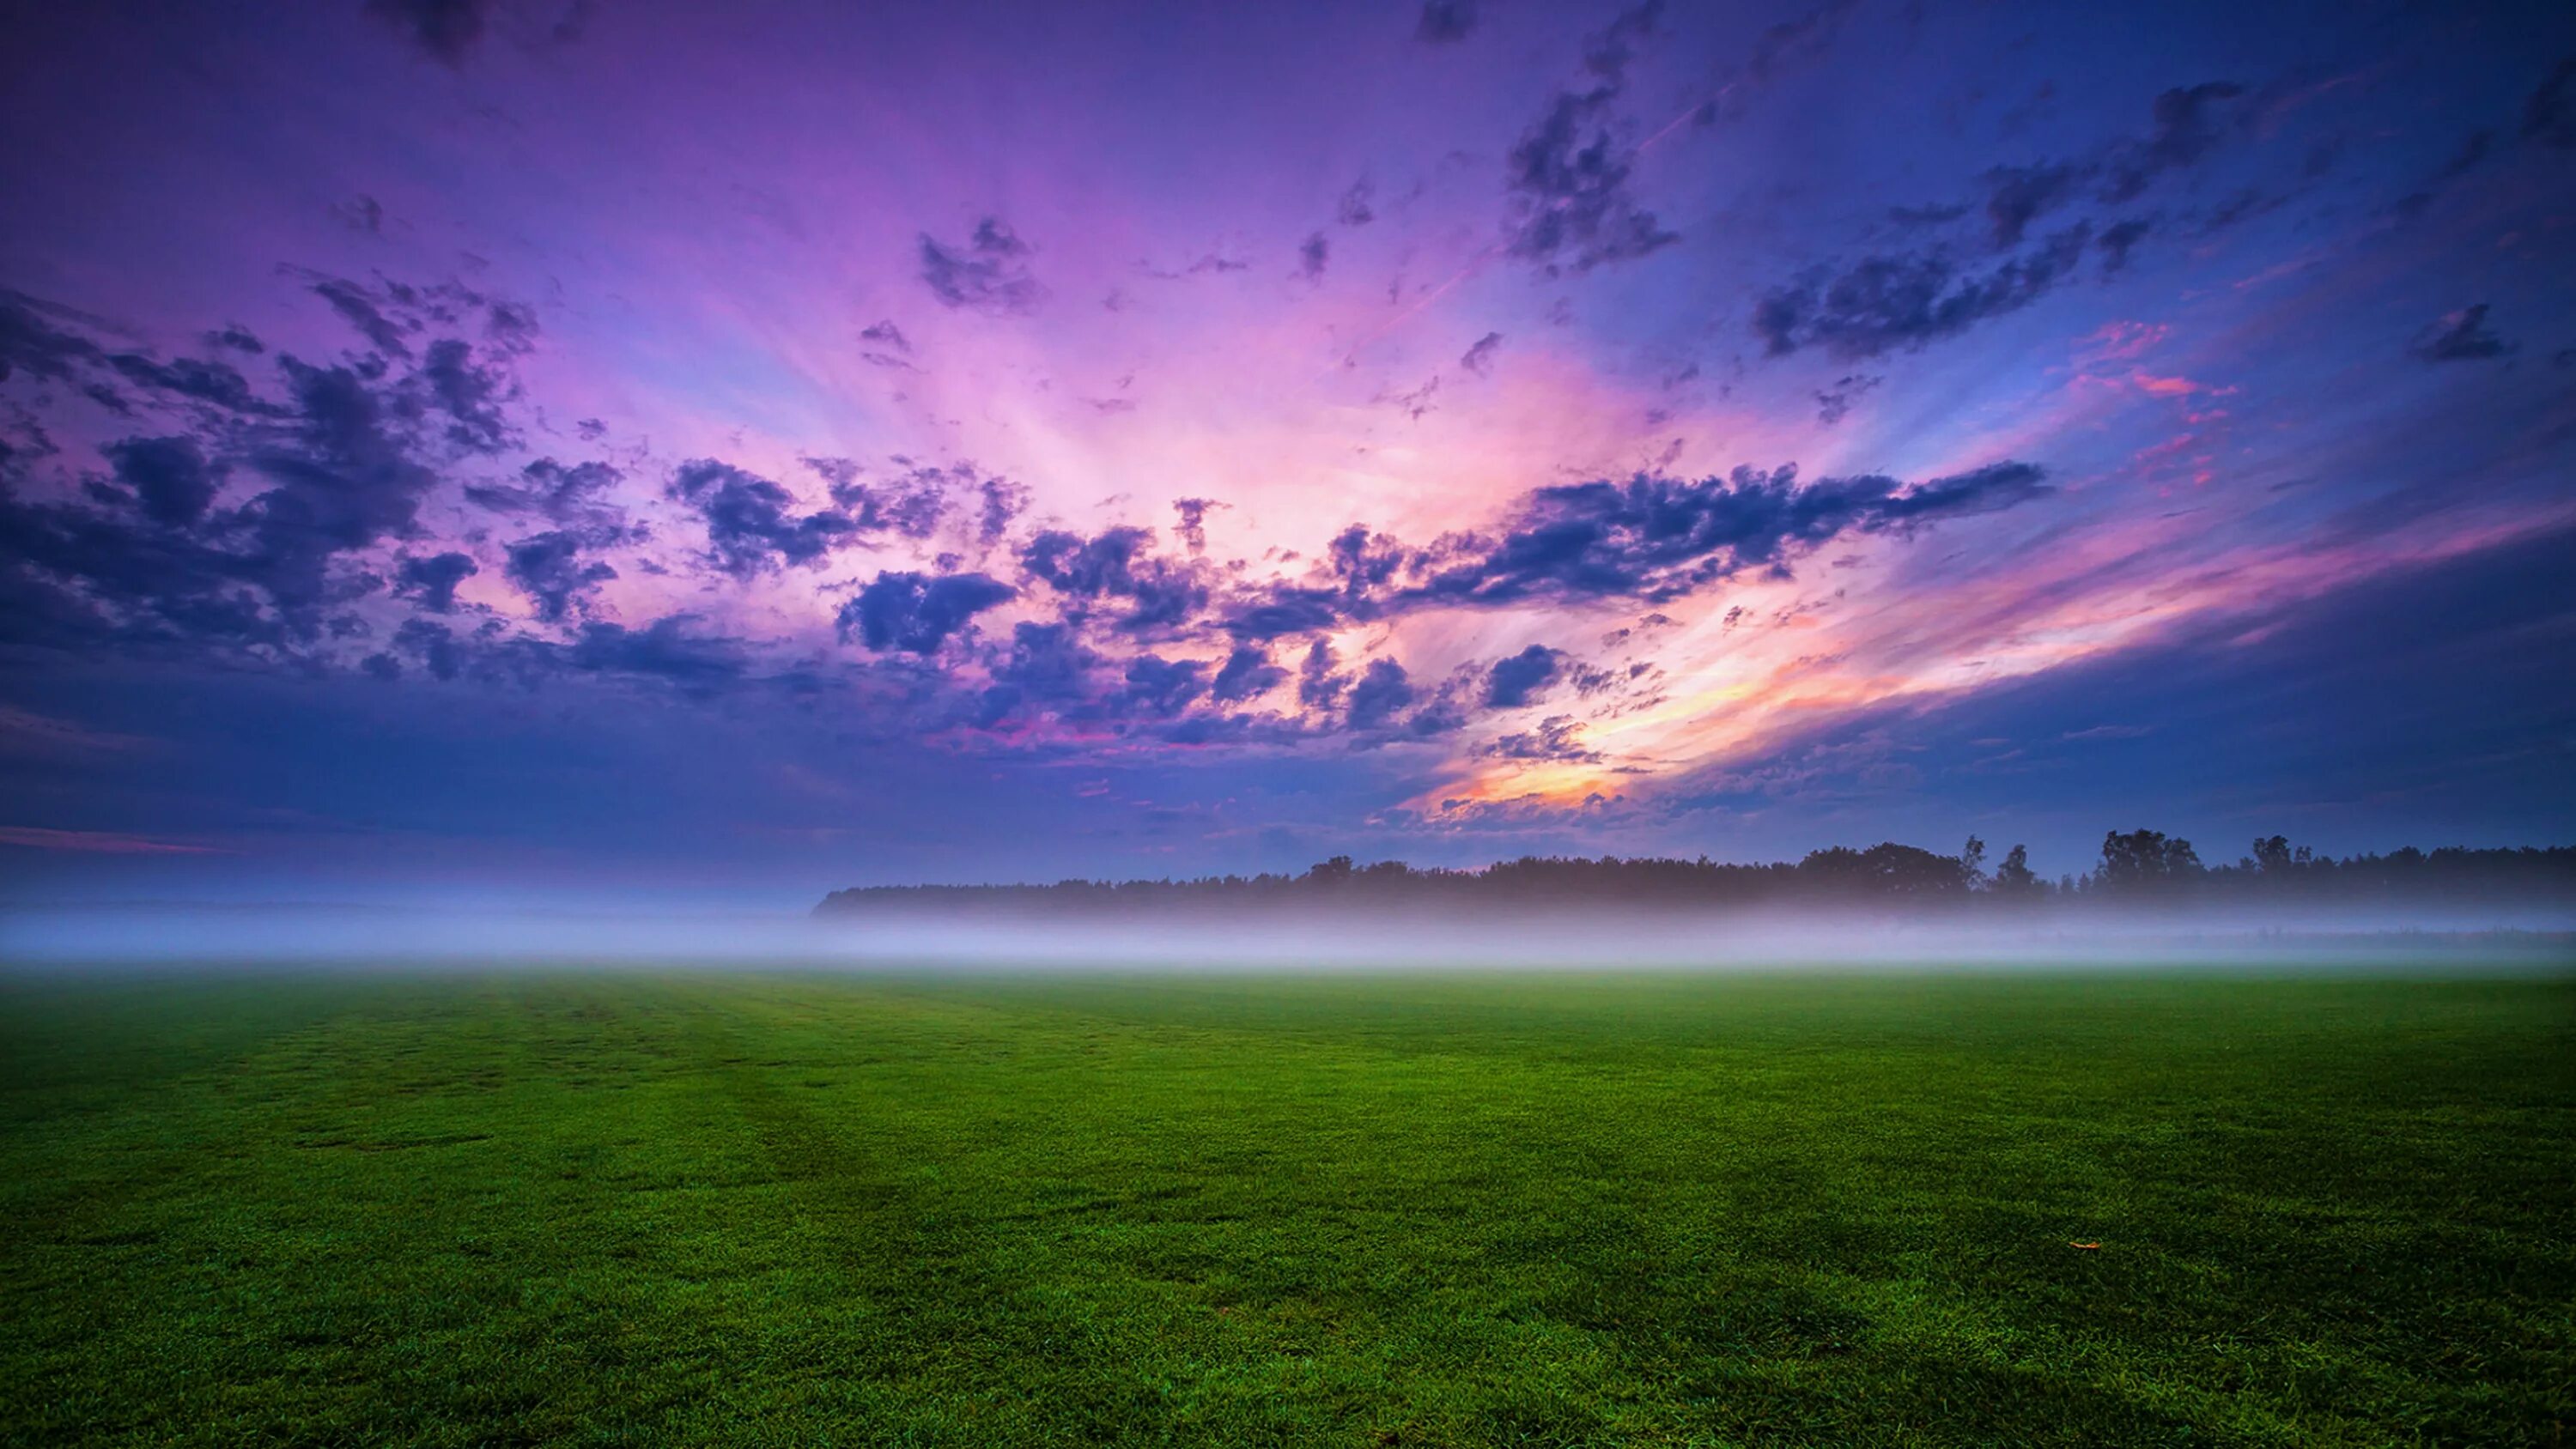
(616, 1207)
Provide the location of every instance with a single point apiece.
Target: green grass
(631, 1209)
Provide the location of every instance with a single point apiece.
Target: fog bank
(2523, 938)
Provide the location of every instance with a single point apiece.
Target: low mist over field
(2149, 902)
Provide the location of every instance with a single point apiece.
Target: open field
(623, 1208)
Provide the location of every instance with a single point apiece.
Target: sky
(466, 447)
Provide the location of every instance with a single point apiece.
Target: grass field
(630, 1209)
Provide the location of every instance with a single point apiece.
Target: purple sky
(751, 449)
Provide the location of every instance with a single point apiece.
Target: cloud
(1834, 403)
(2549, 116)
(445, 30)
(2018, 195)
(1047, 664)
(1381, 692)
(470, 395)
(1567, 179)
(988, 272)
(1193, 527)
(916, 502)
(749, 527)
(1319, 684)
(1884, 304)
(1358, 204)
(1284, 610)
(2461, 336)
(1517, 680)
(1163, 687)
(1657, 538)
(547, 567)
(664, 649)
(1117, 563)
(2118, 240)
(1480, 357)
(336, 462)
(1558, 737)
(1890, 302)
(564, 493)
(360, 311)
(1312, 254)
(916, 613)
(99, 842)
(1246, 674)
(1445, 22)
(2183, 131)
(170, 477)
(433, 580)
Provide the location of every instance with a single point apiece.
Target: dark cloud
(149, 555)
(2473, 151)
(471, 395)
(749, 527)
(31, 341)
(2016, 196)
(548, 568)
(663, 650)
(1284, 610)
(988, 272)
(432, 580)
(1193, 526)
(888, 347)
(445, 30)
(2184, 130)
(1445, 22)
(1801, 39)
(1381, 693)
(1246, 674)
(572, 493)
(1517, 680)
(360, 311)
(1312, 254)
(2549, 116)
(344, 481)
(1479, 357)
(1049, 665)
(1358, 205)
(1163, 687)
(1886, 304)
(916, 613)
(1319, 684)
(1834, 403)
(212, 389)
(170, 477)
(1567, 179)
(1892, 302)
(998, 502)
(1118, 563)
(434, 646)
(2461, 336)
(1558, 737)
(1656, 538)
(921, 499)
(2118, 240)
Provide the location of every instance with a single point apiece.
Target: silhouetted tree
(2014, 878)
(2145, 860)
(2138, 861)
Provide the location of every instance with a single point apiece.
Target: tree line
(2137, 866)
